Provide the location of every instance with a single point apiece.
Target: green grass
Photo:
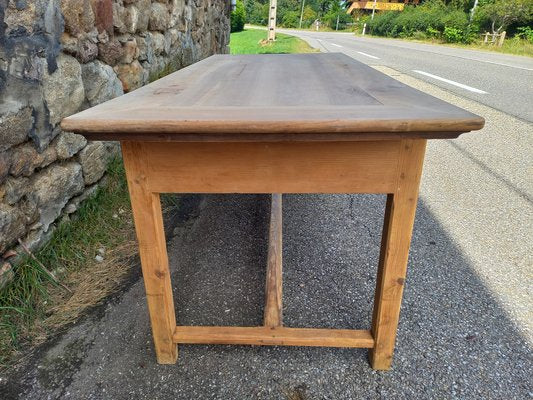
(253, 41)
(515, 45)
(101, 221)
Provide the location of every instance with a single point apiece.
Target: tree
(309, 15)
(502, 13)
(256, 12)
(336, 14)
(290, 19)
(237, 18)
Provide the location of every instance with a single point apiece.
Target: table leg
(397, 230)
(146, 208)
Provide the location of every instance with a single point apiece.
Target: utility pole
(337, 26)
(272, 20)
(373, 9)
(302, 14)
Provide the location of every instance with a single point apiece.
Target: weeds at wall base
(32, 305)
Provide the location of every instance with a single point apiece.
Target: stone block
(75, 202)
(110, 52)
(5, 164)
(158, 41)
(25, 159)
(63, 90)
(145, 46)
(78, 16)
(113, 149)
(6, 274)
(28, 207)
(69, 43)
(19, 19)
(171, 41)
(87, 50)
(93, 159)
(15, 189)
(130, 75)
(144, 14)
(103, 15)
(131, 19)
(14, 127)
(130, 51)
(67, 144)
(101, 82)
(159, 17)
(47, 156)
(12, 226)
(177, 14)
(103, 37)
(35, 239)
(53, 187)
(119, 15)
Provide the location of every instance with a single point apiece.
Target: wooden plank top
(322, 96)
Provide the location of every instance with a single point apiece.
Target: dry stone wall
(60, 56)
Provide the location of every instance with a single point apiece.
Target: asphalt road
(502, 81)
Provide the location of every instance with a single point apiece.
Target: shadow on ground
(455, 341)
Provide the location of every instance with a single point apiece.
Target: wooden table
(305, 123)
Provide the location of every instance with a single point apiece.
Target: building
(380, 5)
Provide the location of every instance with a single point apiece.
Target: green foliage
(309, 16)
(256, 12)
(433, 18)
(498, 15)
(430, 18)
(291, 19)
(452, 35)
(330, 19)
(238, 17)
(525, 32)
(420, 35)
(289, 12)
(433, 33)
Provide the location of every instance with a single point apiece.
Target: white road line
(368, 55)
(496, 63)
(472, 89)
(336, 45)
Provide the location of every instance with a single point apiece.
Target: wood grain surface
(274, 275)
(146, 207)
(228, 97)
(276, 336)
(397, 230)
(291, 167)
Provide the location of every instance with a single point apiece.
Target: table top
(321, 96)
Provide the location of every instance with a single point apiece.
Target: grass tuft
(33, 305)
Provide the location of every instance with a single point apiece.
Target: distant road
(501, 81)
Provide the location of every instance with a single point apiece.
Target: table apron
(263, 167)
